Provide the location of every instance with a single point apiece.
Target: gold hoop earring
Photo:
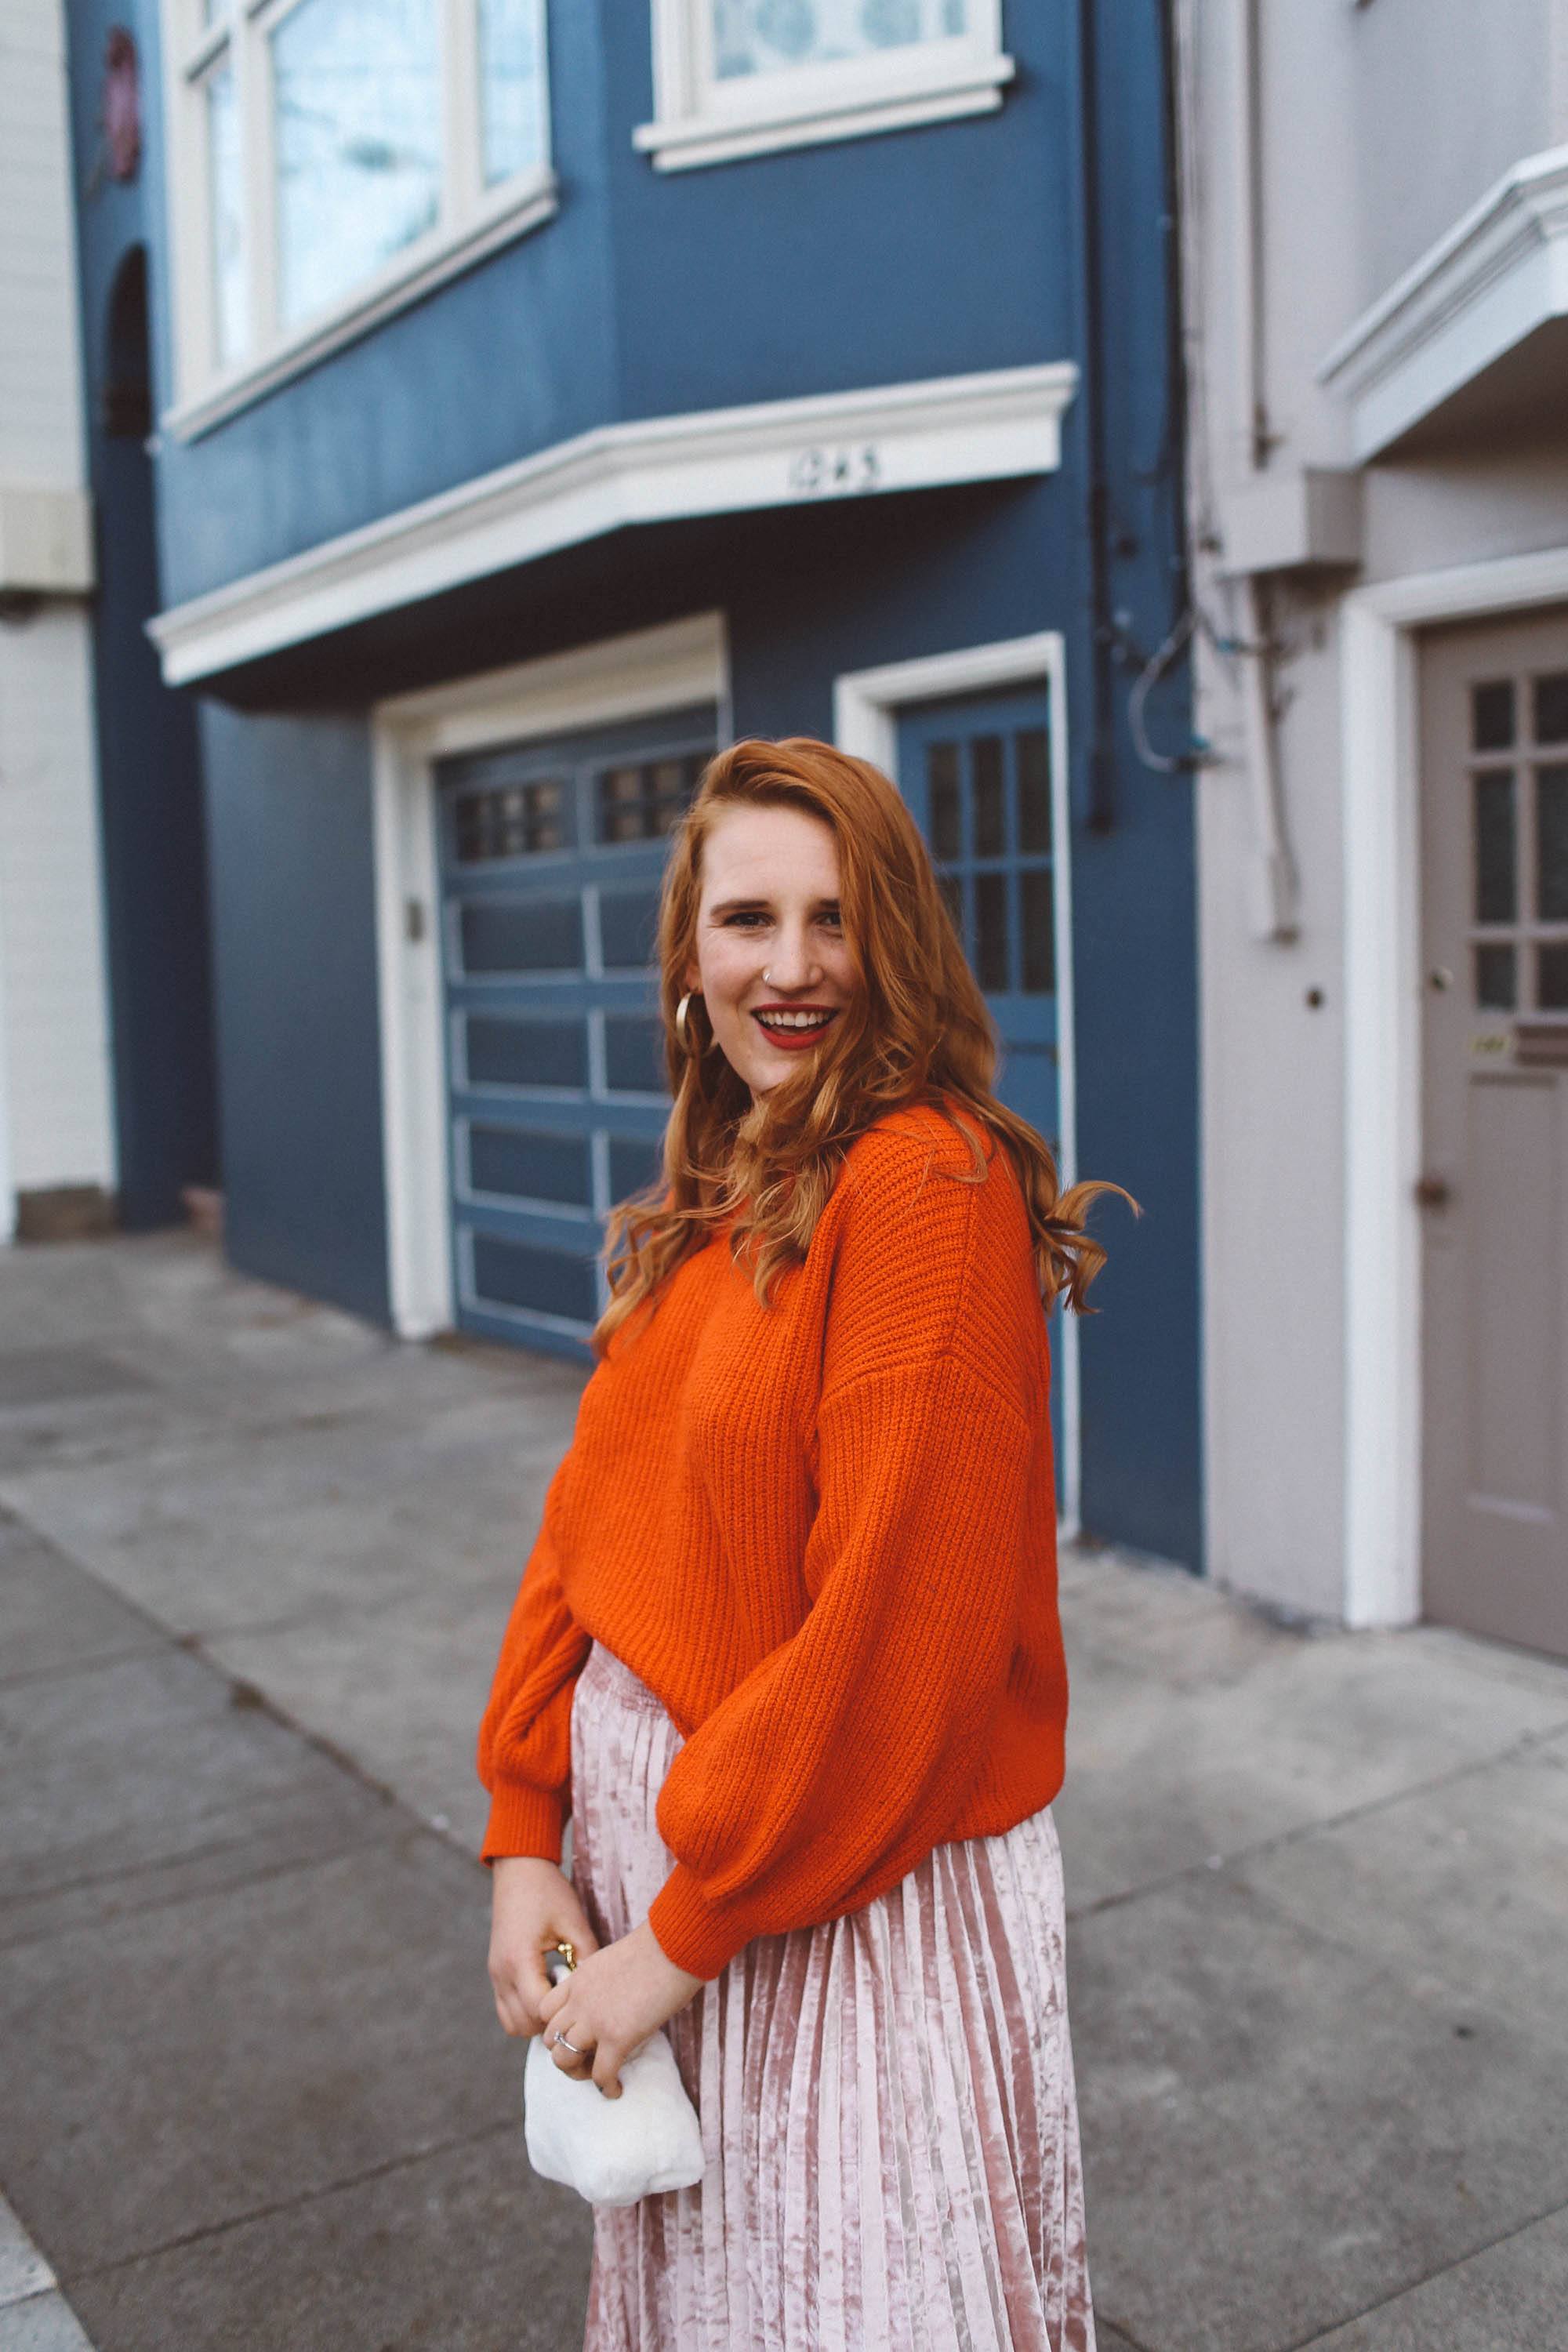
(681, 1030)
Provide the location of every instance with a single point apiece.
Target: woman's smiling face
(772, 964)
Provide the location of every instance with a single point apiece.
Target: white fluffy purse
(611, 2151)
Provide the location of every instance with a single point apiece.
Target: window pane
(1492, 715)
(512, 87)
(1039, 932)
(229, 335)
(647, 798)
(1551, 709)
(761, 36)
(1497, 894)
(991, 931)
(516, 821)
(990, 837)
(357, 110)
(1497, 986)
(1551, 844)
(1033, 789)
(942, 784)
(1551, 979)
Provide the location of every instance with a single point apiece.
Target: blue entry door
(977, 773)
(551, 858)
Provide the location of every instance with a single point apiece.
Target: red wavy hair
(918, 1032)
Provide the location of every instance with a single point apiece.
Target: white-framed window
(736, 77)
(330, 161)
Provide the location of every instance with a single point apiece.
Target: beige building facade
(56, 1132)
(1375, 216)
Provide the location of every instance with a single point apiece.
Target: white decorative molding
(1496, 277)
(649, 670)
(403, 281)
(715, 461)
(1382, 985)
(46, 541)
(704, 117)
(866, 707)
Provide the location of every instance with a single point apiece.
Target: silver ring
(561, 2038)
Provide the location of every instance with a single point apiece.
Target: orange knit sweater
(824, 1534)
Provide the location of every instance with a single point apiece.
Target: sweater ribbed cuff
(524, 1821)
(693, 1931)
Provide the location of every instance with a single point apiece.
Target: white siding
(56, 1125)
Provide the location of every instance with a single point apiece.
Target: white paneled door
(1494, 1184)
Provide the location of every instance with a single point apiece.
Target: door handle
(1432, 1193)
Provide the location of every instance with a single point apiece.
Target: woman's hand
(532, 1905)
(610, 2004)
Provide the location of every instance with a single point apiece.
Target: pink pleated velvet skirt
(886, 2100)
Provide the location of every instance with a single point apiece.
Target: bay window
(332, 161)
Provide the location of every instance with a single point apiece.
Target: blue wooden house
(540, 395)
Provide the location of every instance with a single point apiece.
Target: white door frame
(1383, 1000)
(631, 677)
(866, 705)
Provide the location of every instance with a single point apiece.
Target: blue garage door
(551, 858)
(977, 774)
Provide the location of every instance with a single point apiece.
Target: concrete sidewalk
(255, 1560)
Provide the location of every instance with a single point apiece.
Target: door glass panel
(1497, 893)
(522, 935)
(1552, 707)
(990, 824)
(510, 1053)
(952, 888)
(1039, 932)
(511, 1163)
(1551, 844)
(1552, 978)
(1034, 790)
(1491, 716)
(1497, 985)
(941, 783)
(991, 958)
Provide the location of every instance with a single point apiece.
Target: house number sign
(835, 467)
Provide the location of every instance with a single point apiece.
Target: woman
(787, 1643)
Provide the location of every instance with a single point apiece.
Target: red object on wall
(121, 114)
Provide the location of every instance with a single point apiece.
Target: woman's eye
(746, 919)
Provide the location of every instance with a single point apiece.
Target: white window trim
(1382, 995)
(473, 221)
(699, 119)
(624, 677)
(866, 707)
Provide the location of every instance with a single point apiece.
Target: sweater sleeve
(525, 1737)
(840, 1761)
